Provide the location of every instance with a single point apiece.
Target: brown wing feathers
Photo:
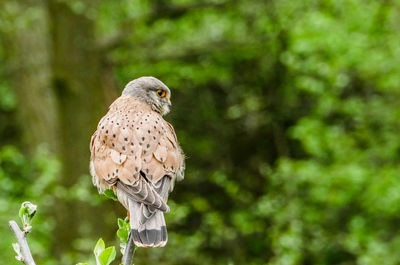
(131, 138)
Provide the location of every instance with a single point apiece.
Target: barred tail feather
(152, 233)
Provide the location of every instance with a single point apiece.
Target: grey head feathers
(151, 91)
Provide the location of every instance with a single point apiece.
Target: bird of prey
(135, 152)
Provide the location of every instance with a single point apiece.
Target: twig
(26, 256)
(127, 258)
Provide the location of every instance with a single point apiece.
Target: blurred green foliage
(288, 111)
(35, 180)
(22, 179)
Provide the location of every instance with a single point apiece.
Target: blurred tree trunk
(64, 85)
(77, 79)
(28, 66)
(77, 83)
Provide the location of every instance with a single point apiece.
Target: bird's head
(151, 91)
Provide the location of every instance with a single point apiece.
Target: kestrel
(135, 152)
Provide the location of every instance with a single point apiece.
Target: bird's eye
(161, 93)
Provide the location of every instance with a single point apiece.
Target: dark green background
(288, 112)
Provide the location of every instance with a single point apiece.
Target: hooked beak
(169, 102)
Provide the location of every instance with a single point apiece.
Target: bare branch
(25, 253)
(129, 252)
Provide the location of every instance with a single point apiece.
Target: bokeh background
(288, 111)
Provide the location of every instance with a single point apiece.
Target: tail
(150, 232)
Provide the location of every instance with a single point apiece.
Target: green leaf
(26, 213)
(100, 246)
(107, 256)
(122, 247)
(120, 223)
(82, 264)
(123, 235)
(17, 250)
(110, 194)
(123, 231)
